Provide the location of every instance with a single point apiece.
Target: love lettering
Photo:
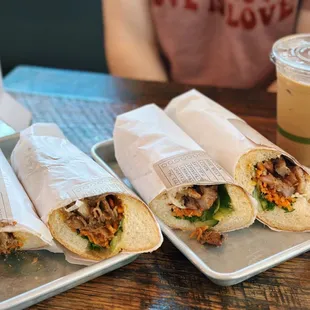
(248, 17)
(240, 13)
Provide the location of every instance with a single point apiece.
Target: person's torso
(221, 42)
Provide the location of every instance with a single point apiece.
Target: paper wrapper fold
(156, 155)
(17, 213)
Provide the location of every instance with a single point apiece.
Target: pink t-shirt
(224, 43)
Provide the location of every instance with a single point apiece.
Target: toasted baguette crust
(277, 219)
(141, 232)
(243, 215)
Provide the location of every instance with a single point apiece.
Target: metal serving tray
(244, 254)
(29, 277)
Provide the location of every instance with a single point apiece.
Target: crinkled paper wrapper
(156, 155)
(16, 209)
(55, 173)
(221, 133)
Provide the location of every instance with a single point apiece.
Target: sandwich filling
(207, 204)
(278, 183)
(204, 235)
(202, 203)
(8, 243)
(97, 219)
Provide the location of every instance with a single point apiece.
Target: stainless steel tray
(244, 254)
(29, 277)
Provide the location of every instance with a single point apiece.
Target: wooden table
(166, 279)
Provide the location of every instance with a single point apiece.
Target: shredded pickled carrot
(120, 209)
(197, 234)
(98, 238)
(271, 194)
(186, 212)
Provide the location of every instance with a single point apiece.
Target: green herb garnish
(91, 245)
(194, 219)
(117, 236)
(120, 226)
(265, 204)
(224, 197)
(96, 247)
(206, 216)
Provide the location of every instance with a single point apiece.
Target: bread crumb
(34, 261)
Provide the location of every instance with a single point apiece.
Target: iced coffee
(292, 58)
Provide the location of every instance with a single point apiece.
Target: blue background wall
(53, 33)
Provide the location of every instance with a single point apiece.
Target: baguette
(88, 211)
(140, 232)
(242, 216)
(283, 195)
(278, 219)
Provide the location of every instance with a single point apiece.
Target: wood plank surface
(166, 279)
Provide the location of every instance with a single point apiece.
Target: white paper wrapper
(222, 134)
(13, 116)
(55, 173)
(16, 207)
(156, 155)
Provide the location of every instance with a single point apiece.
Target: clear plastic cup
(291, 56)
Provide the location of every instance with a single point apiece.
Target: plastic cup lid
(293, 51)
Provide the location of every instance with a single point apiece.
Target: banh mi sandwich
(101, 226)
(88, 211)
(20, 227)
(275, 179)
(280, 185)
(181, 184)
